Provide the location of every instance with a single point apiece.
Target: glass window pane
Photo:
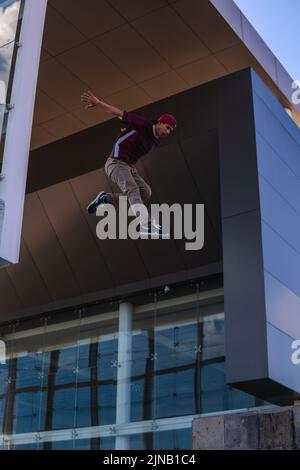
(107, 359)
(9, 16)
(66, 366)
(179, 439)
(64, 408)
(62, 445)
(26, 415)
(217, 395)
(107, 404)
(31, 366)
(3, 124)
(32, 446)
(99, 443)
(175, 394)
(6, 57)
(213, 337)
(83, 407)
(2, 413)
(3, 377)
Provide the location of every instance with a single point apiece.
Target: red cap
(168, 119)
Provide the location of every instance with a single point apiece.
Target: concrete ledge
(276, 429)
(208, 433)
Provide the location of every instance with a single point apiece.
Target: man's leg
(129, 182)
(122, 175)
(146, 193)
(144, 187)
(110, 165)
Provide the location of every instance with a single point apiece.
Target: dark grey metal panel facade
(246, 332)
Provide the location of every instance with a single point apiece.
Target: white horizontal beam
(141, 427)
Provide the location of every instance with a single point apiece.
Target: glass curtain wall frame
(60, 384)
(11, 13)
(51, 374)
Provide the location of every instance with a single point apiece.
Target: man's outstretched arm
(92, 101)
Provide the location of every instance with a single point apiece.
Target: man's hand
(90, 99)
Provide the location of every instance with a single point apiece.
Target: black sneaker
(100, 199)
(153, 230)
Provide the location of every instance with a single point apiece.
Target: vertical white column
(124, 371)
(18, 135)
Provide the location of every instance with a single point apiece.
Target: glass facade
(10, 21)
(79, 380)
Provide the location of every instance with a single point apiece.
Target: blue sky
(278, 23)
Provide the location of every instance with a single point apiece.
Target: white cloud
(9, 15)
(2, 92)
(8, 21)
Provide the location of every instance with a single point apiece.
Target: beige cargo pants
(131, 184)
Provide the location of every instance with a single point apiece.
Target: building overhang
(136, 55)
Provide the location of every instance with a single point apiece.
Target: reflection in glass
(107, 403)
(64, 375)
(63, 408)
(3, 378)
(9, 16)
(26, 447)
(3, 123)
(30, 369)
(105, 443)
(179, 439)
(26, 415)
(6, 58)
(2, 411)
(178, 363)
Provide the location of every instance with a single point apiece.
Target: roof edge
(259, 49)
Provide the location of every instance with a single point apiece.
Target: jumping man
(136, 140)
